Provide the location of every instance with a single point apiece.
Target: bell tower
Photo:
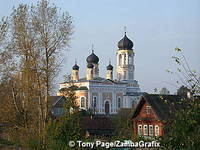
(125, 59)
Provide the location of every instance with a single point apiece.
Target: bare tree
(186, 76)
(53, 34)
(3, 29)
(38, 35)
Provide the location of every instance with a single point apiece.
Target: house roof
(96, 123)
(56, 100)
(163, 105)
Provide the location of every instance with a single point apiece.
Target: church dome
(90, 65)
(125, 43)
(75, 67)
(92, 58)
(109, 67)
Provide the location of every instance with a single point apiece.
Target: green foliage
(62, 130)
(122, 123)
(34, 143)
(184, 132)
(5, 142)
(183, 91)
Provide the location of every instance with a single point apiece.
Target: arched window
(83, 102)
(107, 108)
(119, 76)
(94, 102)
(133, 103)
(119, 102)
(124, 74)
(130, 59)
(125, 59)
(120, 59)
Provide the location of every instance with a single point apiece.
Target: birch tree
(38, 36)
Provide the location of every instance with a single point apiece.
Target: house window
(119, 103)
(139, 129)
(148, 109)
(59, 111)
(156, 130)
(145, 130)
(150, 130)
(83, 102)
(55, 110)
(94, 102)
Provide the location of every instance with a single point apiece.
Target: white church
(106, 95)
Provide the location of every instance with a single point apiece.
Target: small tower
(109, 73)
(75, 72)
(125, 59)
(93, 59)
(89, 74)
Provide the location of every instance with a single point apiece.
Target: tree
(38, 35)
(53, 33)
(186, 76)
(3, 29)
(183, 91)
(164, 91)
(122, 124)
(183, 133)
(66, 128)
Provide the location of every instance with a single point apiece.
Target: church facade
(107, 95)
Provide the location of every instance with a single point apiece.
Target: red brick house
(152, 112)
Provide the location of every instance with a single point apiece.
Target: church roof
(125, 43)
(98, 79)
(92, 58)
(90, 65)
(75, 67)
(109, 67)
(133, 93)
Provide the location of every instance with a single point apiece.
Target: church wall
(104, 92)
(79, 94)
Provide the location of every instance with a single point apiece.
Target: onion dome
(125, 43)
(75, 67)
(92, 58)
(90, 65)
(109, 67)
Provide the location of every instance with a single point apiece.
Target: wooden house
(153, 112)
